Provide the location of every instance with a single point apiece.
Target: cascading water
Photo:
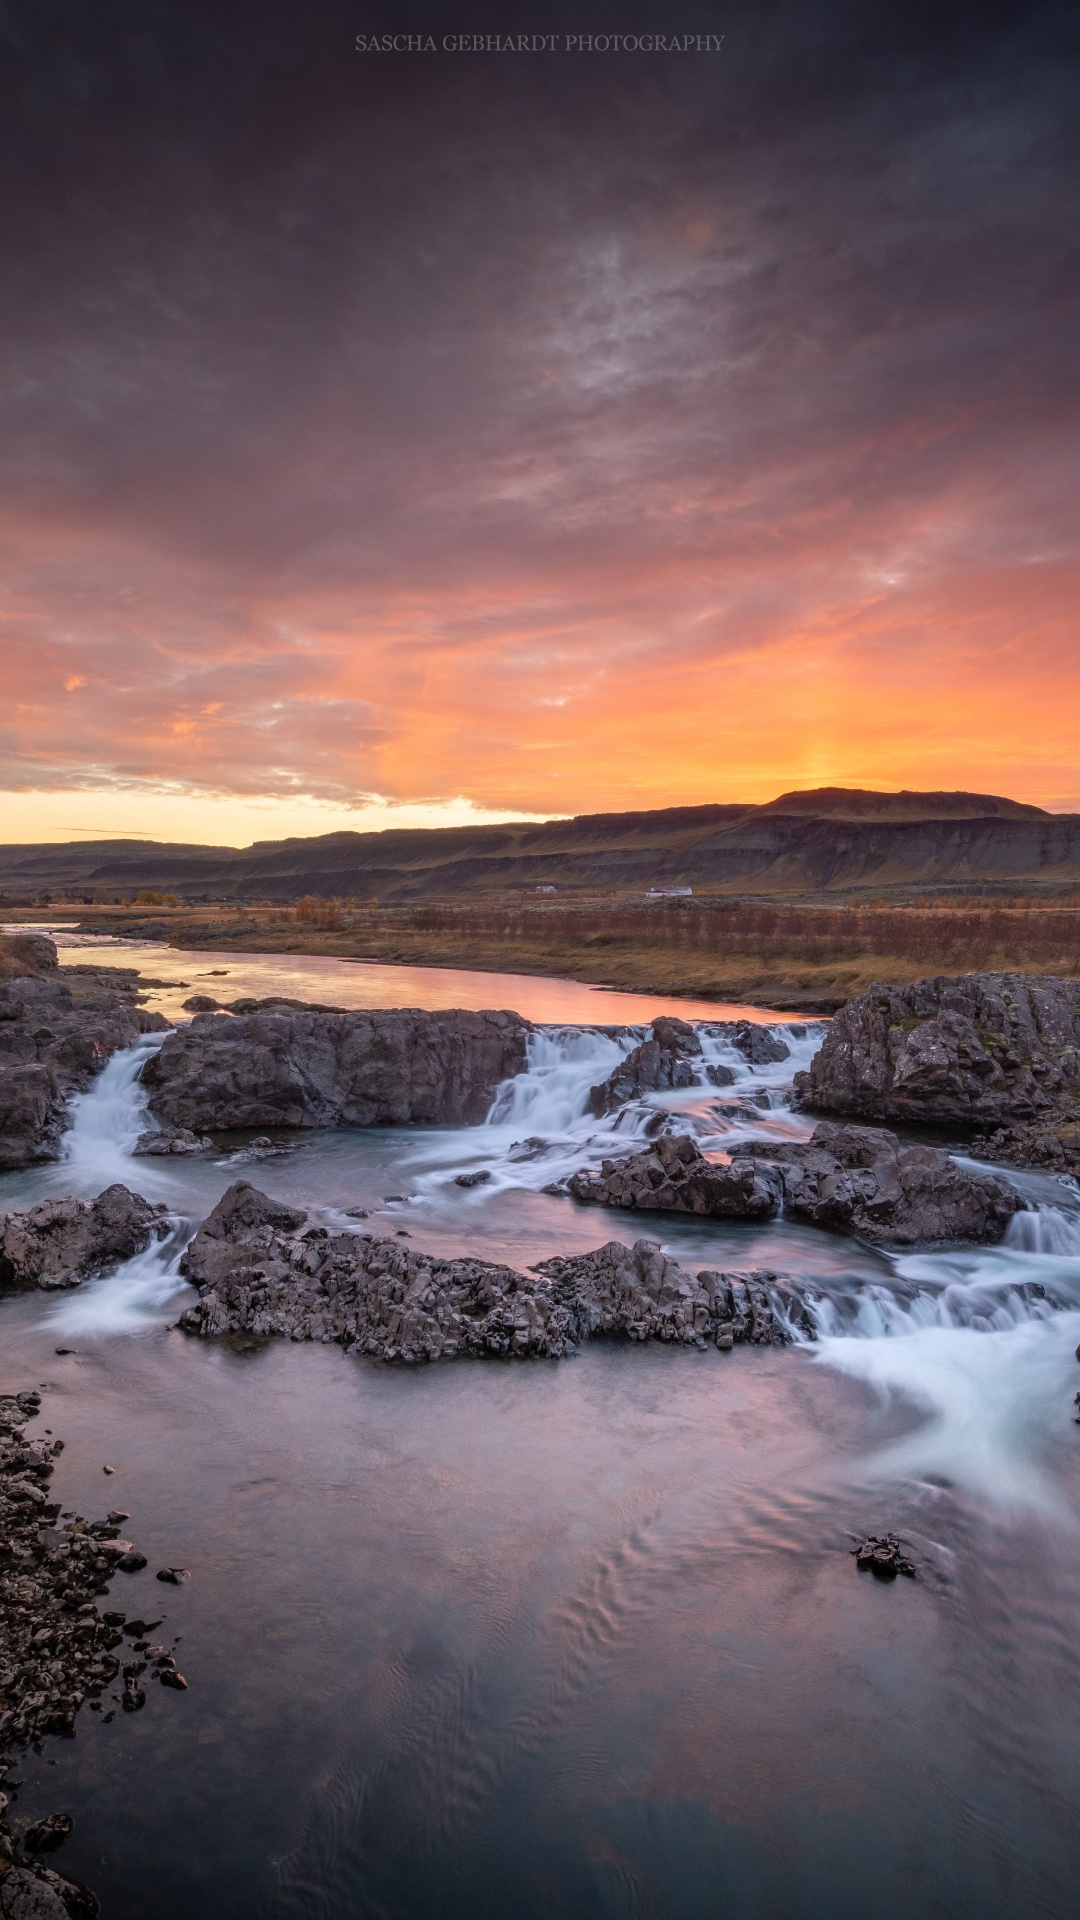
(96, 1152)
(970, 1337)
(132, 1299)
(540, 1127)
(107, 1119)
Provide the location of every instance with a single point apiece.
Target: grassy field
(804, 957)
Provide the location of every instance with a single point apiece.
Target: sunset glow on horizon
(471, 441)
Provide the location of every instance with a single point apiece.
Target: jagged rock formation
(57, 1030)
(983, 1051)
(672, 1058)
(319, 1069)
(673, 1176)
(855, 1180)
(1053, 1144)
(57, 1652)
(260, 1270)
(757, 1044)
(861, 1180)
(62, 1242)
(665, 1061)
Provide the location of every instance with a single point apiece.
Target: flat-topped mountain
(833, 839)
(858, 803)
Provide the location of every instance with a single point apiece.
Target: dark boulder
(861, 1180)
(758, 1045)
(668, 1059)
(305, 1069)
(62, 1242)
(673, 1176)
(380, 1298)
(982, 1051)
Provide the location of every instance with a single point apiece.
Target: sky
(422, 435)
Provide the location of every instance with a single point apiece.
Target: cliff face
(832, 839)
(386, 1069)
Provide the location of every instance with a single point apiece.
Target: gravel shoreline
(59, 1651)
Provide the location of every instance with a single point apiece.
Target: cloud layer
(562, 433)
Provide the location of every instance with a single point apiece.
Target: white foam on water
(539, 1128)
(981, 1341)
(131, 1300)
(994, 1402)
(108, 1118)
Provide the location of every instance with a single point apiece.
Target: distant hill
(832, 840)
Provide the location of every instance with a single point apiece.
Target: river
(579, 1638)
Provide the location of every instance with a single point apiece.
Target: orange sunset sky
(432, 440)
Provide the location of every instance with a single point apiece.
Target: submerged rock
(62, 1242)
(880, 1554)
(289, 1068)
(984, 1050)
(161, 1141)
(377, 1297)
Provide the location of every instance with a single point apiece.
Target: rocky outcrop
(861, 1180)
(673, 1176)
(640, 1292)
(671, 1058)
(57, 1030)
(61, 1243)
(24, 954)
(57, 1652)
(857, 1180)
(303, 1069)
(758, 1045)
(1053, 1144)
(981, 1051)
(262, 1270)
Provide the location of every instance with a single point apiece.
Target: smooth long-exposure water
(582, 1637)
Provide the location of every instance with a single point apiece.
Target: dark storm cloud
(330, 375)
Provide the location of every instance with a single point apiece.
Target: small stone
(169, 1678)
(45, 1835)
(132, 1699)
(175, 1576)
(131, 1562)
(117, 1518)
(108, 1469)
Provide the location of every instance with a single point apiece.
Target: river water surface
(578, 1638)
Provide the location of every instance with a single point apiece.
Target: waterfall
(108, 1118)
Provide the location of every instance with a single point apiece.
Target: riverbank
(803, 958)
(57, 1649)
